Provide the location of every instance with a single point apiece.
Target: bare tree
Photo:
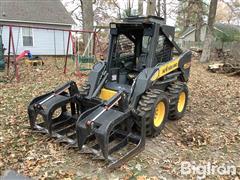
(198, 10)
(158, 8)
(234, 6)
(164, 4)
(87, 14)
(151, 5)
(161, 9)
(140, 7)
(184, 15)
(128, 11)
(210, 28)
(191, 13)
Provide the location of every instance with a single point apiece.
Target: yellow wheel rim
(159, 114)
(181, 101)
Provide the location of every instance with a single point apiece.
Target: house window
(27, 36)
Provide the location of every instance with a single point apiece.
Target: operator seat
(140, 65)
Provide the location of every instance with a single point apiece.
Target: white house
(188, 36)
(32, 16)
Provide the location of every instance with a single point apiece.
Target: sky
(172, 6)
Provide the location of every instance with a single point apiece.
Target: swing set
(11, 61)
(83, 46)
(80, 48)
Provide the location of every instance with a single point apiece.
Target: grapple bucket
(103, 129)
(62, 125)
(109, 134)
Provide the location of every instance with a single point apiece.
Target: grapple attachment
(105, 129)
(108, 133)
(62, 125)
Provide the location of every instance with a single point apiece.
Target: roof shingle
(35, 11)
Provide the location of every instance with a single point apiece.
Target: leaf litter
(209, 131)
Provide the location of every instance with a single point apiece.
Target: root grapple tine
(62, 127)
(136, 150)
(100, 157)
(110, 138)
(85, 152)
(68, 146)
(61, 140)
(124, 158)
(119, 146)
(39, 129)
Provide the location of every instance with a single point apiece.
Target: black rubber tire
(84, 89)
(146, 108)
(174, 91)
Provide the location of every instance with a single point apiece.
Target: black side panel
(168, 31)
(95, 76)
(143, 82)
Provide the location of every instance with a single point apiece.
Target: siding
(43, 41)
(190, 38)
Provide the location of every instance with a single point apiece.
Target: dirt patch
(209, 132)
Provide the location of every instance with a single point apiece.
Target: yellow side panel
(155, 76)
(106, 94)
(169, 67)
(165, 69)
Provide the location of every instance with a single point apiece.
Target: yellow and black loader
(126, 98)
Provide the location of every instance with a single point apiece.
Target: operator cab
(135, 44)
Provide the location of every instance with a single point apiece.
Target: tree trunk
(210, 28)
(165, 11)
(151, 5)
(87, 16)
(129, 9)
(198, 32)
(199, 20)
(140, 7)
(189, 13)
(159, 8)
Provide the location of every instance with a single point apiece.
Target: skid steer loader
(126, 98)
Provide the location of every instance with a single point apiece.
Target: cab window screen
(145, 43)
(163, 50)
(124, 50)
(125, 46)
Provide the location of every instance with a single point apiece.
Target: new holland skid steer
(126, 98)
